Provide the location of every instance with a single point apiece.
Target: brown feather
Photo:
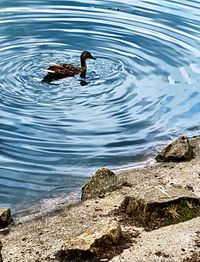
(65, 69)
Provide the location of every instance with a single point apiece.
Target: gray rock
(87, 245)
(5, 214)
(195, 144)
(103, 181)
(178, 150)
(159, 207)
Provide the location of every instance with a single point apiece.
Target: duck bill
(92, 57)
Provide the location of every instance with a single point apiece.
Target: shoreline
(41, 239)
(50, 205)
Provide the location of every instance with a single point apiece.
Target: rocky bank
(147, 214)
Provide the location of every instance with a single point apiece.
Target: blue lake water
(142, 90)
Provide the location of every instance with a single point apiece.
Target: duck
(58, 71)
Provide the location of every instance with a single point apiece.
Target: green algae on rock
(104, 180)
(155, 209)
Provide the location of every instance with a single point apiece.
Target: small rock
(87, 245)
(126, 184)
(5, 214)
(103, 181)
(190, 188)
(136, 233)
(178, 150)
(5, 231)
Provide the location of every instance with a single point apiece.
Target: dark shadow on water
(52, 77)
(83, 82)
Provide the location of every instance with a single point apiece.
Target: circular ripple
(141, 89)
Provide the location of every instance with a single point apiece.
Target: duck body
(58, 71)
(65, 70)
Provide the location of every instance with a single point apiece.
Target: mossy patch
(153, 215)
(172, 213)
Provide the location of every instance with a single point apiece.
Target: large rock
(103, 181)
(179, 150)
(102, 235)
(195, 144)
(159, 207)
(5, 214)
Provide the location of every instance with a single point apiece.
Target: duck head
(87, 55)
(84, 56)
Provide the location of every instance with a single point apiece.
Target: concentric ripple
(142, 89)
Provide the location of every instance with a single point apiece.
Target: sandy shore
(39, 239)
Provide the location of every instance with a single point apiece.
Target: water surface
(142, 91)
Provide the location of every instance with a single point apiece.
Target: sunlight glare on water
(140, 92)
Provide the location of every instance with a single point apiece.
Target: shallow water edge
(49, 206)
